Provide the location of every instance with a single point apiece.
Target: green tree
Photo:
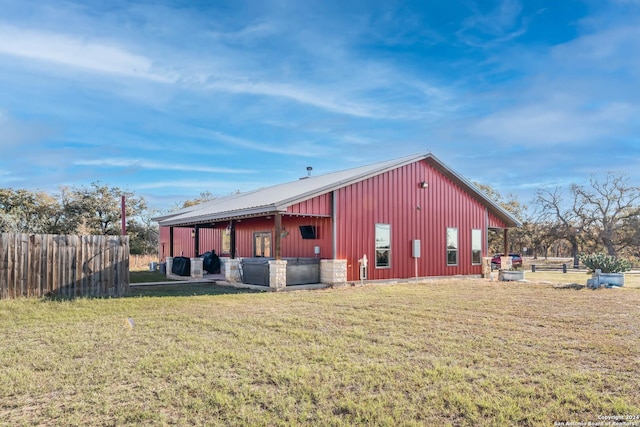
(25, 211)
(96, 209)
(143, 233)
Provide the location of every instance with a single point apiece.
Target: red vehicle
(516, 261)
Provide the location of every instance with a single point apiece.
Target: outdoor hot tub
(300, 271)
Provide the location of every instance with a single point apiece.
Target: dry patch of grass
(631, 280)
(141, 262)
(450, 352)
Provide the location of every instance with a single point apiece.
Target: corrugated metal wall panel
(396, 198)
(182, 243)
(494, 222)
(293, 245)
(320, 205)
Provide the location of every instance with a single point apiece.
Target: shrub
(606, 263)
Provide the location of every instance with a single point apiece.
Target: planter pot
(510, 275)
(611, 279)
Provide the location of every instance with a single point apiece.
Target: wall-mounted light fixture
(424, 184)
(193, 233)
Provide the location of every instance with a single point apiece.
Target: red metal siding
(396, 198)
(184, 243)
(293, 245)
(320, 205)
(494, 222)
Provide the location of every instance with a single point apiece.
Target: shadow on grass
(147, 276)
(186, 290)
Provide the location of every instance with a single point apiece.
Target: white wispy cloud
(602, 50)
(146, 164)
(301, 148)
(105, 57)
(192, 184)
(502, 24)
(297, 93)
(216, 187)
(79, 52)
(577, 92)
(546, 124)
(220, 63)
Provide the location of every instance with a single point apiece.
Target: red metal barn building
(411, 217)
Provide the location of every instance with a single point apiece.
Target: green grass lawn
(146, 276)
(448, 352)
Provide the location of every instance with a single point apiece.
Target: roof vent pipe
(309, 169)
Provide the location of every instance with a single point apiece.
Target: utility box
(415, 248)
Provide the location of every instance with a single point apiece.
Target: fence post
(533, 268)
(564, 268)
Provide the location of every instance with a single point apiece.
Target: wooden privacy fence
(36, 265)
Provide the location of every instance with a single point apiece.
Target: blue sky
(172, 98)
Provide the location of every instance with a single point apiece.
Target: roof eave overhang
(221, 216)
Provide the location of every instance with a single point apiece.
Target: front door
(262, 244)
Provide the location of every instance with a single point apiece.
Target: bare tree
(610, 208)
(601, 214)
(205, 196)
(563, 217)
(520, 237)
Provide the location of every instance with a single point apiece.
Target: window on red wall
(452, 246)
(476, 246)
(383, 245)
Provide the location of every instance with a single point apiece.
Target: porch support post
(278, 237)
(485, 242)
(171, 241)
(196, 241)
(506, 241)
(232, 238)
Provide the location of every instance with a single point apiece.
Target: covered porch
(273, 250)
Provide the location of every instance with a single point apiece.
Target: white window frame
(454, 249)
(476, 246)
(380, 247)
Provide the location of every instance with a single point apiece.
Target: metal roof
(279, 197)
